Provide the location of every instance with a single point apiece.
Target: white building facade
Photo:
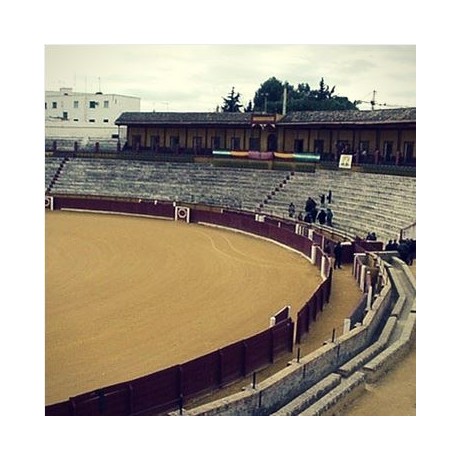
(86, 117)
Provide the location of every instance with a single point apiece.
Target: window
(65, 115)
(75, 119)
(387, 150)
(174, 141)
(343, 147)
(154, 142)
(298, 145)
(255, 144)
(92, 120)
(318, 146)
(137, 141)
(408, 149)
(106, 120)
(235, 143)
(197, 142)
(93, 104)
(364, 147)
(106, 104)
(54, 105)
(216, 142)
(75, 104)
(46, 106)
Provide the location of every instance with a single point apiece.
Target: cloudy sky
(196, 77)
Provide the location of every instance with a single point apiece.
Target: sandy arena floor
(128, 296)
(116, 288)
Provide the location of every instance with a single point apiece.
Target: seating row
(361, 202)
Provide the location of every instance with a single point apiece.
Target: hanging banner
(307, 157)
(239, 153)
(257, 155)
(284, 155)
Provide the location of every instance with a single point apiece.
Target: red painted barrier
(168, 389)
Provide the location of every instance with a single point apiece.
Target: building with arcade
(386, 136)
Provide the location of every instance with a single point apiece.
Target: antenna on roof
(373, 102)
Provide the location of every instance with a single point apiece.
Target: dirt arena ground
(112, 302)
(129, 296)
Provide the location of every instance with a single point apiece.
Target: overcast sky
(197, 77)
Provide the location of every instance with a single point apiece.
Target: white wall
(85, 115)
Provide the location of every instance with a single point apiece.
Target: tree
(249, 107)
(269, 97)
(232, 102)
(323, 92)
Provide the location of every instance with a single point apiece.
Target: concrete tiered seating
(362, 202)
(186, 182)
(63, 144)
(51, 167)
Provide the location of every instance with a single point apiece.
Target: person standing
(329, 217)
(322, 217)
(338, 252)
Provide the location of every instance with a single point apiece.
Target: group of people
(371, 236)
(312, 214)
(405, 247)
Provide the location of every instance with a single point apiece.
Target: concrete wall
(297, 378)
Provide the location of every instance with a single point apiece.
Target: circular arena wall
(262, 279)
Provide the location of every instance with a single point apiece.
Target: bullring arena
(136, 286)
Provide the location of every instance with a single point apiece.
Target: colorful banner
(257, 155)
(239, 153)
(252, 154)
(307, 157)
(284, 156)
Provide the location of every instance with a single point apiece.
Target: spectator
(403, 251)
(338, 252)
(371, 236)
(300, 216)
(322, 217)
(389, 246)
(412, 251)
(329, 196)
(310, 205)
(291, 210)
(322, 199)
(314, 214)
(329, 217)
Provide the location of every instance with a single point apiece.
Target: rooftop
(292, 118)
